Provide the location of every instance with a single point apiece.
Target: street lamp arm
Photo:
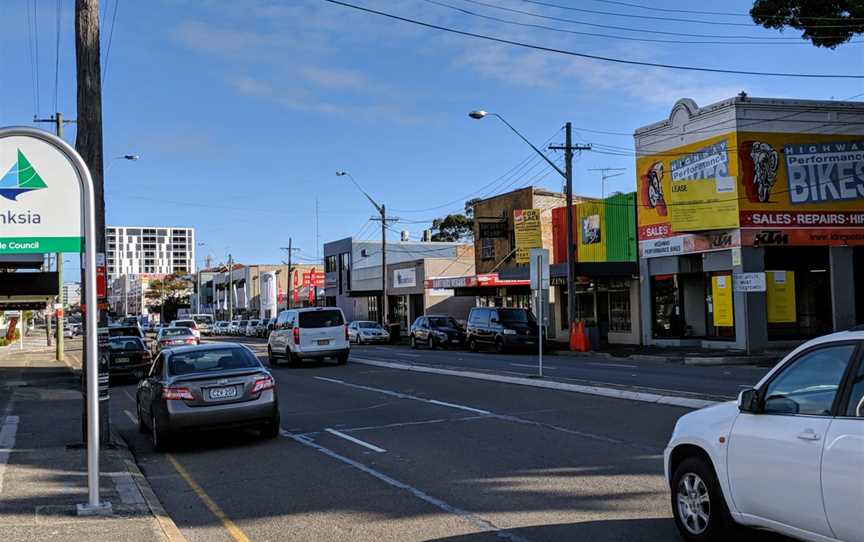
(360, 188)
(523, 138)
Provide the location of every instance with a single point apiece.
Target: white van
(313, 333)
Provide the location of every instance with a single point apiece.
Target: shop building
(410, 292)
(751, 222)
(261, 290)
(606, 271)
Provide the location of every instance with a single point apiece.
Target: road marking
(7, 440)
(131, 416)
(328, 379)
(460, 407)
(229, 525)
(129, 395)
(356, 440)
(407, 355)
(616, 393)
(475, 520)
(532, 366)
(616, 365)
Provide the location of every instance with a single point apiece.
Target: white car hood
(707, 422)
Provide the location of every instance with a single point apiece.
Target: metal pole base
(101, 509)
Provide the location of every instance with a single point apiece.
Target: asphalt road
(377, 454)
(719, 383)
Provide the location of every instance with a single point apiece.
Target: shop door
(805, 292)
(720, 309)
(668, 309)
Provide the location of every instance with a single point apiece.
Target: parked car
(241, 327)
(251, 328)
(264, 326)
(122, 331)
(211, 386)
(128, 356)
(221, 327)
(205, 323)
(502, 328)
(788, 456)
(366, 332)
(233, 326)
(191, 324)
(436, 331)
(170, 337)
(311, 333)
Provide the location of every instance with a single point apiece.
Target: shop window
(799, 300)
(487, 249)
(330, 264)
(619, 312)
(667, 310)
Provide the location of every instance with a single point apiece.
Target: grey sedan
(212, 386)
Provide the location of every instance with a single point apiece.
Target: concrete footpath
(43, 473)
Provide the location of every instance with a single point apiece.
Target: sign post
(42, 177)
(539, 275)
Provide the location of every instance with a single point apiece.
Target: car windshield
(126, 331)
(243, 323)
(203, 319)
(313, 319)
(209, 361)
(184, 323)
(368, 325)
(175, 332)
(443, 321)
(132, 344)
(253, 322)
(518, 316)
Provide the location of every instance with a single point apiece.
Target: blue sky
(242, 111)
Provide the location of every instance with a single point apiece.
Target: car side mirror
(748, 401)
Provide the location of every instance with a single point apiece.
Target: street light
(567, 173)
(381, 210)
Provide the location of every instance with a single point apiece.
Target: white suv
(788, 457)
(312, 333)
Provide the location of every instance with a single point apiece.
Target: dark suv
(503, 328)
(436, 331)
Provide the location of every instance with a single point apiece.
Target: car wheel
(342, 359)
(431, 343)
(142, 427)
(271, 358)
(413, 342)
(359, 339)
(499, 346)
(271, 429)
(160, 440)
(472, 344)
(700, 511)
(293, 359)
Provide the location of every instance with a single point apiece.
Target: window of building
(667, 310)
(619, 312)
(330, 264)
(487, 249)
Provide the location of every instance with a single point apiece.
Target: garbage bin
(395, 331)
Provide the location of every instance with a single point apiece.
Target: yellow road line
(229, 525)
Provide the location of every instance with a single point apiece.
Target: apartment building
(136, 250)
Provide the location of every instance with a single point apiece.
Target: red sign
(297, 294)
(312, 278)
(802, 237)
(101, 282)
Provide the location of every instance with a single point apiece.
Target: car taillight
(261, 384)
(145, 356)
(165, 341)
(190, 341)
(175, 394)
(345, 327)
(296, 335)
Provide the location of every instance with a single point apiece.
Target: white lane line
(7, 440)
(407, 355)
(532, 366)
(460, 407)
(616, 365)
(129, 395)
(328, 379)
(356, 440)
(131, 416)
(473, 519)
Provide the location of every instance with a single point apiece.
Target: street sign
(539, 268)
(749, 282)
(39, 186)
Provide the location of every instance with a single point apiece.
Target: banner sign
(313, 278)
(802, 237)
(39, 198)
(690, 243)
(405, 278)
(721, 296)
(528, 232)
(749, 282)
(824, 172)
(781, 297)
(703, 196)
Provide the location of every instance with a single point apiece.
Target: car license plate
(323, 341)
(121, 360)
(223, 393)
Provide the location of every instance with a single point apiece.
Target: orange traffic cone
(586, 342)
(574, 338)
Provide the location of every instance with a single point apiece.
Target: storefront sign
(781, 297)
(39, 198)
(690, 243)
(802, 237)
(721, 296)
(449, 283)
(405, 278)
(825, 172)
(703, 196)
(749, 282)
(655, 248)
(527, 228)
(736, 256)
(312, 278)
(493, 230)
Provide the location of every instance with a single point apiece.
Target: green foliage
(5, 342)
(456, 227)
(826, 23)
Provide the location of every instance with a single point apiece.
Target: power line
(698, 12)
(110, 39)
(36, 46)
(629, 29)
(585, 55)
(657, 18)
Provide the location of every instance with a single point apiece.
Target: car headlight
(509, 332)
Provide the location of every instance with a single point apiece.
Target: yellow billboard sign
(528, 232)
(591, 239)
(780, 294)
(721, 296)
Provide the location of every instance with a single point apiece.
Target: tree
(456, 227)
(169, 294)
(826, 23)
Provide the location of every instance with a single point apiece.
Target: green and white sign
(40, 198)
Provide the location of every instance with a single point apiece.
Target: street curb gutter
(169, 528)
(560, 386)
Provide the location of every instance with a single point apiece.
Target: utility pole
(290, 249)
(58, 122)
(568, 149)
(604, 176)
(230, 289)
